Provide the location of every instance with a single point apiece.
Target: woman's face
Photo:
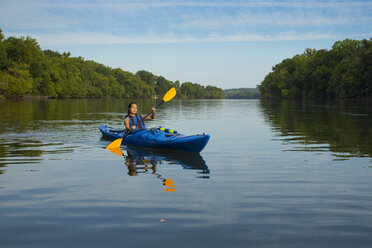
(133, 109)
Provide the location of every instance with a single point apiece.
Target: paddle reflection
(142, 160)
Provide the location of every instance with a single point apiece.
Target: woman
(134, 121)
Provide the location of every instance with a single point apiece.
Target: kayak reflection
(143, 160)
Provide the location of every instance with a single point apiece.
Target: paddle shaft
(149, 113)
(167, 97)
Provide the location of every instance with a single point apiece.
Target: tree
(162, 85)
(3, 53)
(27, 70)
(343, 72)
(17, 82)
(147, 77)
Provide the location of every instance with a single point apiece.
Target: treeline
(27, 70)
(243, 93)
(345, 71)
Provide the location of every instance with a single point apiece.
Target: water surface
(274, 174)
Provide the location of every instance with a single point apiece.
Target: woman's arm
(126, 124)
(152, 117)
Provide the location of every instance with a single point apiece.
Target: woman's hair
(130, 105)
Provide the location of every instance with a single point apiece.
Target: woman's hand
(153, 113)
(133, 127)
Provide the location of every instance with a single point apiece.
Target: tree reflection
(343, 126)
(27, 151)
(19, 152)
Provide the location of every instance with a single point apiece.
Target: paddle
(167, 97)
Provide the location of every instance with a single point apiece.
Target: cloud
(278, 19)
(63, 39)
(43, 14)
(198, 3)
(77, 22)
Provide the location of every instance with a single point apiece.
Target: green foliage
(243, 93)
(345, 71)
(17, 82)
(26, 70)
(162, 86)
(190, 90)
(147, 77)
(3, 54)
(214, 92)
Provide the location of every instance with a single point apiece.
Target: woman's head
(132, 108)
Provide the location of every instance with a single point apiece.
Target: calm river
(274, 174)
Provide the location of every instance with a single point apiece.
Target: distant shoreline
(40, 97)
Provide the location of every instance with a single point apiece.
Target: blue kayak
(158, 138)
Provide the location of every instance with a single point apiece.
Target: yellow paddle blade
(170, 190)
(168, 182)
(117, 151)
(114, 144)
(169, 95)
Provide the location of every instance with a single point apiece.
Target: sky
(229, 44)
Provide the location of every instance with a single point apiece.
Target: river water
(274, 174)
